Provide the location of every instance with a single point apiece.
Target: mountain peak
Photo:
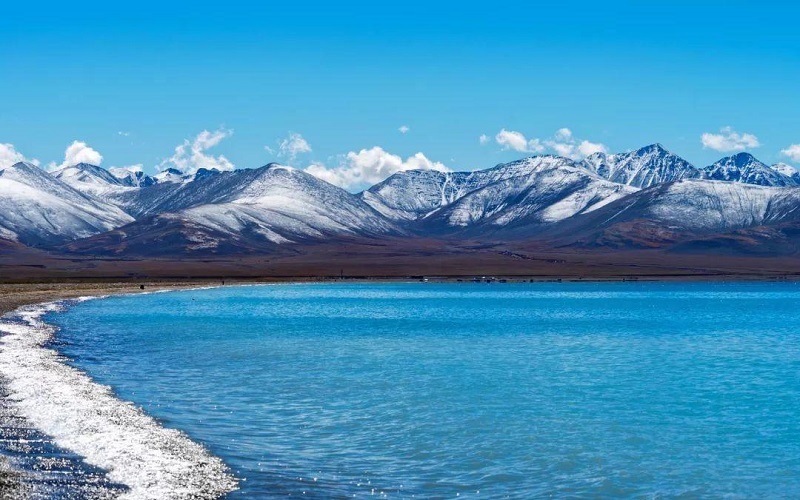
(22, 165)
(642, 168)
(655, 147)
(205, 172)
(742, 159)
(86, 173)
(745, 168)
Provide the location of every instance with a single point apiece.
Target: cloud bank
(563, 143)
(77, 152)
(191, 155)
(792, 152)
(292, 146)
(9, 156)
(369, 166)
(728, 140)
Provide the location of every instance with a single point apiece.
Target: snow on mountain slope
(272, 206)
(413, 194)
(133, 177)
(698, 205)
(295, 203)
(418, 194)
(669, 213)
(539, 190)
(133, 192)
(247, 209)
(788, 171)
(745, 168)
(37, 208)
(713, 205)
(643, 168)
(170, 175)
(91, 179)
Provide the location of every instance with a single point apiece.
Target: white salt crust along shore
(87, 418)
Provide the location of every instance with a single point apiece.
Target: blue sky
(346, 76)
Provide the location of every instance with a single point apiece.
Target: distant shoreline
(24, 293)
(14, 295)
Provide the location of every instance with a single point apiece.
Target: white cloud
(563, 143)
(404, 129)
(291, 146)
(792, 152)
(563, 135)
(511, 139)
(370, 166)
(123, 133)
(569, 148)
(191, 155)
(9, 156)
(586, 148)
(78, 152)
(562, 148)
(484, 139)
(728, 140)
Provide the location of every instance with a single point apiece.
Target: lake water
(462, 389)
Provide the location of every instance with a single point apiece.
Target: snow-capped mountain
(679, 211)
(644, 198)
(284, 202)
(413, 194)
(745, 168)
(643, 168)
(248, 209)
(552, 185)
(132, 193)
(788, 171)
(92, 180)
(702, 205)
(170, 175)
(37, 208)
(135, 192)
(539, 190)
(132, 177)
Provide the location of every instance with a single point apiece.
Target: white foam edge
(86, 417)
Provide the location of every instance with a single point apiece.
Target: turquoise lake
(462, 389)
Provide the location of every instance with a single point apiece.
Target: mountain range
(644, 199)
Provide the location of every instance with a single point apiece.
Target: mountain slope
(788, 171)
(38, 209)
(552, 186)
(413, 194)
(680, 211)
(539, 190)
(643, 168)
(136, 193)
(91, 179)
(648, 198)
(247, 210)
(133, 177)
(745, 168)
